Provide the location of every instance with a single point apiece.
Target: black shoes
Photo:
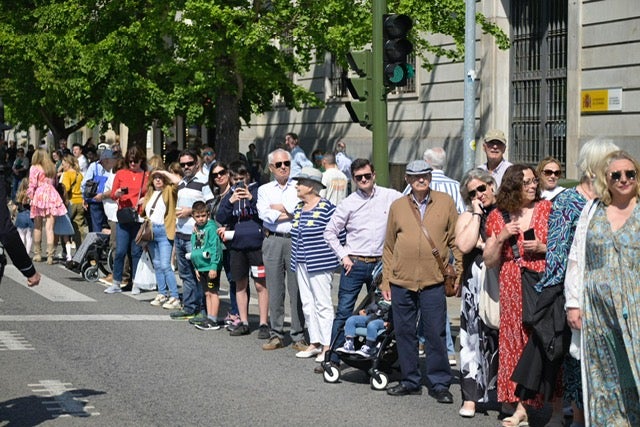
(442, 396)
(241, 329)
(401, 390)
(72, 266)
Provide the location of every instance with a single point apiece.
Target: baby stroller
(380, 366)
(98, 262)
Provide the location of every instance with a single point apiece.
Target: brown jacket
(407, 258)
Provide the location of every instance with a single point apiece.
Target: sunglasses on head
(286, 163)
(187, 164)
(220, 173)
(629, 174)
(479, 189)
(363, 177)
(549, 172)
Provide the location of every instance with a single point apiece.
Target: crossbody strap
(153, 206)
(434, 250)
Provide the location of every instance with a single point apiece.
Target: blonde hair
(602, 178)
(41, 158)
(73, 162)
(591, 155)
(155, 163)
(21, 194)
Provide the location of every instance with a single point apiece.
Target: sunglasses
(549, 172)
(286, 164)
(629, 174)
(479, 189)
(218, 174)
(528, 182)
(363, 177)
(134, 161)
(187, 164)
(208, 153)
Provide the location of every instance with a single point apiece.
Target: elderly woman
(478, 342)
(602, 293)
(519, 211)
(549, 170)
(313, 261)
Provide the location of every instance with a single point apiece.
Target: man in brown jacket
(413, 280)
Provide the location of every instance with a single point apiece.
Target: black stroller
(380, 366)
(98, 262)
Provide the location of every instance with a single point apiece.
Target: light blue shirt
(298, 161)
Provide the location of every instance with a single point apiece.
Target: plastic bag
(145, 277)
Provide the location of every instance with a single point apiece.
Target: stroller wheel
(91, 274)
(331, 374)
(379, 380)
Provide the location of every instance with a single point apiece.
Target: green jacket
(205, 240)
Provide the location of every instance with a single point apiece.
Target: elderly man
(299, 159)
(363, 214)
(412, 280)
(276, 202)
(495, 144)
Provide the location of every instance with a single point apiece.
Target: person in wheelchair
(94, 247)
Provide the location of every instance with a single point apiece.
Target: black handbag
(529, 295)
(129, 215)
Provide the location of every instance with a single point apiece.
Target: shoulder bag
(449, 272)
(145, 233)
(129, 215)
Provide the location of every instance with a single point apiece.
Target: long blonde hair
(41, 158)
(21, 194)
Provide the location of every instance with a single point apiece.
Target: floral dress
(45, 199)
(513, 336)
(611, 321)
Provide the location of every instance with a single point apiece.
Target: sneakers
(234, 324)
(107, 280)
(230, 318)
(241, 329)
(159, 300)
(113, 289)
(347, 348)
(300, 345)
(172, 304)
(198, 318)
(273, 344)
(366, 351)
(135, 290)
(207, 325)
(181, 315)
(264, 333)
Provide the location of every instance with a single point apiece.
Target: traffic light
(396, 47)
(361, 88)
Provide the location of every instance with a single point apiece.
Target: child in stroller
(92, 258)
(375, 319)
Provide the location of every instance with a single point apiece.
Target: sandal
(515, 421)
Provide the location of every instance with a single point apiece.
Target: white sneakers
(171, 304)
(159, 300)
(113, 289)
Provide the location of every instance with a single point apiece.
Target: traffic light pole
(380, 126)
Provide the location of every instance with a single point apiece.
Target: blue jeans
(192, 293)
(373, 327)
(160, 250)
(125, 242)
(350, 286)
(98, 217)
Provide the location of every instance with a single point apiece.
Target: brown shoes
(273, 344)
(300, 345)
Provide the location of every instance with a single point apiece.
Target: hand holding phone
(530, 234)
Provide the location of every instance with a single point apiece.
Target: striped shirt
(308, 245)
(190, 190)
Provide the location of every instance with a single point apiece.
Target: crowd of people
(547, 275)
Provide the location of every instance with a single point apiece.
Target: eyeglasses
(218, 174)
(629, 174)
(549, 172)
(187, 164)
(207, 153)
(363, 177)
(528, 182)
(479, 189)
(278, 165)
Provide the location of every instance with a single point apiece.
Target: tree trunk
(227, 132)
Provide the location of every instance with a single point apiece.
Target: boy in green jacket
(206, 257)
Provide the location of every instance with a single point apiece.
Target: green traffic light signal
(396, 28)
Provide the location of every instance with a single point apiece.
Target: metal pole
(469, 145)
(380, 127)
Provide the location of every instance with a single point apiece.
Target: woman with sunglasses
(129, 188)
(520, 211)
(478, 342)
(602, 294)
(549, 170)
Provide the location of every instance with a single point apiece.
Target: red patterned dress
(513, 336)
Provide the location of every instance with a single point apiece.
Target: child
(375, 318)
(24, 223)
(206, 257)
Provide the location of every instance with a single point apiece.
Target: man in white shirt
(82, 160)
(495, 144)
(334, 180)
(276, 201)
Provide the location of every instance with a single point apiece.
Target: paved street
(72, 355)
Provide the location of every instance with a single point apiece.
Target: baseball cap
(107, 154)
(418, 167)
(495, 135)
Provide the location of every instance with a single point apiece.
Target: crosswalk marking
(86, 317)
(12, 340)
(48, 288)
(65, 400)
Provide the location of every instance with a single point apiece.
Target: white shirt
(159, 209)
(336, 183)
(272, 193)
(110, 205)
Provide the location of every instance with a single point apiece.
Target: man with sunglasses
(193, 187)
(276, 201)
(495, 144)
(299, 159)
(363, 214)
(208, 159)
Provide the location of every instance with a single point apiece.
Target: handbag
(145, 276)
(489, 299)
(95, 185)
(129, 215)
(145, 233)
(449, 272)
(529, 295)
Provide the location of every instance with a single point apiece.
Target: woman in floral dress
(519, 197)
(46, 203)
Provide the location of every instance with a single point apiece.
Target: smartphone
(530, 234)
(240, 184)
(125, 190)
